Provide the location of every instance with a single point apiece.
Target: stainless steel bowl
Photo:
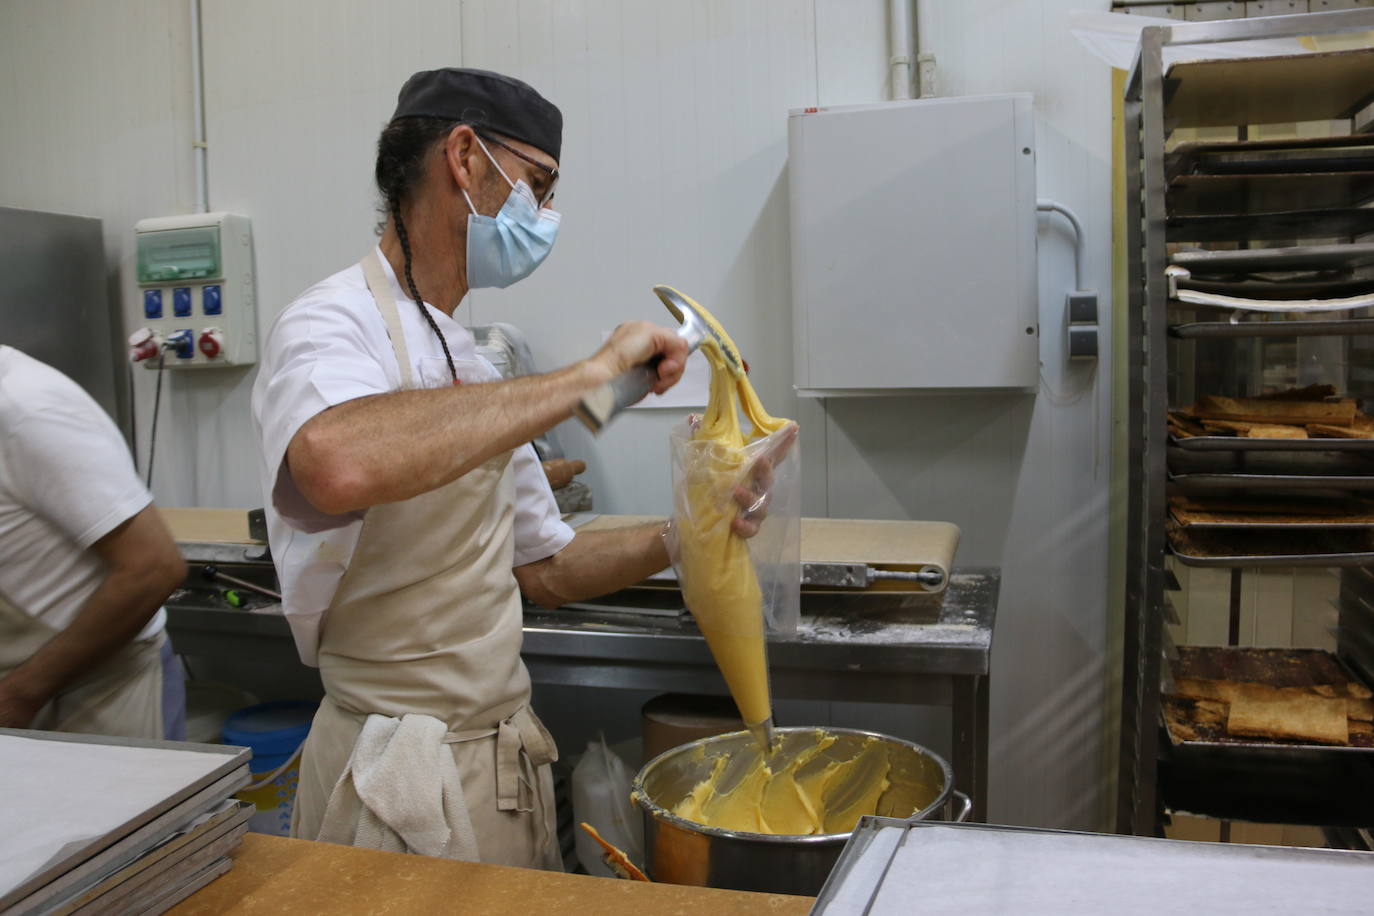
(679, 851)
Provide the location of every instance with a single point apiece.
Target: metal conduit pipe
(202, 202)
(1080, 241)
(901, 59)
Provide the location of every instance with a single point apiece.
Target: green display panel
(178, 254)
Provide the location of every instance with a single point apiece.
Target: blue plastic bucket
(274, 732)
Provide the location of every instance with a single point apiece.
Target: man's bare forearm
(144, 567)
(595, 563)
(391, 447)
(109, 620)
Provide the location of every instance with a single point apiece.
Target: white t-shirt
(329, 346)
(66, 481)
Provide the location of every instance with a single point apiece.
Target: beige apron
(122, 696)
(427, 620)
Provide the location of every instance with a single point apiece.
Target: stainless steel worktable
(870, 647)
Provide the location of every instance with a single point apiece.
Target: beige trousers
(122, 697)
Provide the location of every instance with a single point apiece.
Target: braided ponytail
(415, 293)
(401, 152)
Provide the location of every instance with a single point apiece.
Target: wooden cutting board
(222, 526)
(279, 875)
(891, 544)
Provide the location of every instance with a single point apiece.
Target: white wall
(1049, 652)
(88, 128)
(675, 171)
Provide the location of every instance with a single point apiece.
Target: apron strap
(520, 732)
(380, 287)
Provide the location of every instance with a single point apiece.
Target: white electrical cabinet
(913, 246)
(195, 292)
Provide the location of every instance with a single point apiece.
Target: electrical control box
(913, 246)
(196, 302)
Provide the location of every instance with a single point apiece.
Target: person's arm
(594, 563)
(599, 562)
(143, 566)
(390, 447)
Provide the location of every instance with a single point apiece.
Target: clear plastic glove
(755, 493)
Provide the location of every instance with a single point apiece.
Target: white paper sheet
(950, 870)
(60, 793)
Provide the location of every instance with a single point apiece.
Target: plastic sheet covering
(1114, 38)
(601, 797)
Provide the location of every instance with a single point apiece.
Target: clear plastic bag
(733, 585)
(601, 785)
(735, 541)
(769, 469)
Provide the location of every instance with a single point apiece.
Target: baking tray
(1352, 152)
(1298, 288)
(1268, 90)
(1266, 549)
(1276, 561)
(1270, 666)
(1241, 444)
(1215, 481)
(890, 866)
(1197, 195)
(1267, 785)
(1325, 223)
(1259, 260)
(1272, 526)
(81, 862)
(1339, 327)
(1300, 471)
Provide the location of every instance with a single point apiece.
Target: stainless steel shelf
(1315, 524)
(1298, 257)
(1350, 153)
(1199, 481)
(1268, 90)
(1198, 330)
(1194, 195)
(1275, 561)
(1242, 444)
(1282, 224)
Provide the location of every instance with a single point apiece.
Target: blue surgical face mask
(508, 246)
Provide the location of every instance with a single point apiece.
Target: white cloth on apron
(409, 790)
(426, 624)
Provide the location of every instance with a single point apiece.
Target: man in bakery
(407, 511)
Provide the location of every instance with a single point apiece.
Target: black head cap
(486, 100)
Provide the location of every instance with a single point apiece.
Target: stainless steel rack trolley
(1246, 216)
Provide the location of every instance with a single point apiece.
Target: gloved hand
(756, 492)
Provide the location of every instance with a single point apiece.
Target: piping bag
(720, 471)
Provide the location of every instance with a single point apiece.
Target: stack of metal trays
(1309, 194)
(894, 867)
(1302, 204)
(1241, 502)
(115, 825)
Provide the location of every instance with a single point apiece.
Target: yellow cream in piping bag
(717, 577)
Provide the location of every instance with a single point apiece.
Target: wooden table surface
(280, 875)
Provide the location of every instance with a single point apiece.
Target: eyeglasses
(552, 173)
